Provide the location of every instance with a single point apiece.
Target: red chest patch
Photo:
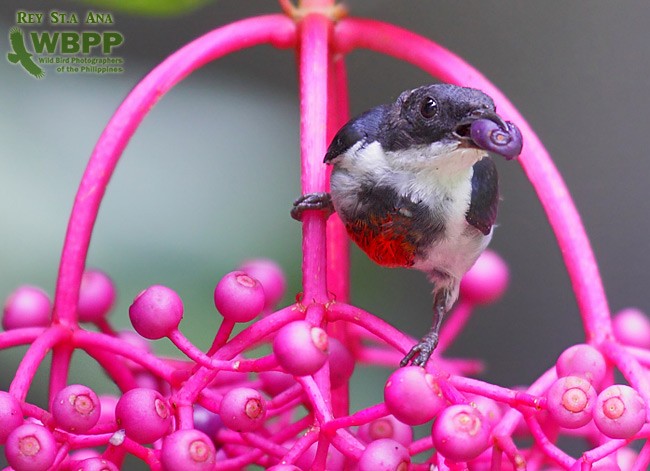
(386, 240)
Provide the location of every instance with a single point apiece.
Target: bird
(415, 187)
(20, 54)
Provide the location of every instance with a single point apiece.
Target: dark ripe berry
(571, 401)
(582, 360)
(11, 416)
(30, 447)
(460, 433)
(206, 421)
(243, 409)
(188, 450)
(76, 408)
(143, 414)
(239, 297)
(156, 312)
(28, 306)
(96, 296)
(619, 412)
(413, 396)
(488, 135)
(301, 348)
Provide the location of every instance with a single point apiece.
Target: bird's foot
(421, 351)
(318, 201)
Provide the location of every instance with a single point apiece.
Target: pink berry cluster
(274, 393)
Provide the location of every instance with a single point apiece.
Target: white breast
(439, 175)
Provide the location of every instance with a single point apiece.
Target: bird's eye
(428, 108)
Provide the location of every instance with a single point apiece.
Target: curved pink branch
(93, 341)
(551, 190)
(22, 336)
(380, 328)
(276, 29)
(33, 358)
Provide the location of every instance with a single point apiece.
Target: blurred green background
(208, 179)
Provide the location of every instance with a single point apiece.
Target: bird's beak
(486, 130)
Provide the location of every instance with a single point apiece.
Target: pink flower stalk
(289, 409)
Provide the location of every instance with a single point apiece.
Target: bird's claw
(421, 352)
(318, 201)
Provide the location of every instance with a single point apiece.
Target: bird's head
(433, 125)
(435, 121)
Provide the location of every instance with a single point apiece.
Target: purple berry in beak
(490, 136)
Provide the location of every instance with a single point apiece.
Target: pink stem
(301, 446)
(320, 460)
(421, 445)
(93, 340)
(61, 357)
(606, 449)
(630, 368)
(321, 411)
(276, 29)
(61, 455)
(495, 464)
(225, 329)
(313, 65)
(264, 444)
(380, 328)
(498, 393)
(24, 336)
(507, 446)
(285, 397)
(33, 358)
(358, 418)
(509, 421)
(249, 336)
(188, 348)
(546, 445)
(551, 190)
(348, 444)
(82, 441)
(104, 327)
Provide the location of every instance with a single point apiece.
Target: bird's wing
(363, 128)
(482, 212)
(18, 42)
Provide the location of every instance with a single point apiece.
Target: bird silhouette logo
(19, 54)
